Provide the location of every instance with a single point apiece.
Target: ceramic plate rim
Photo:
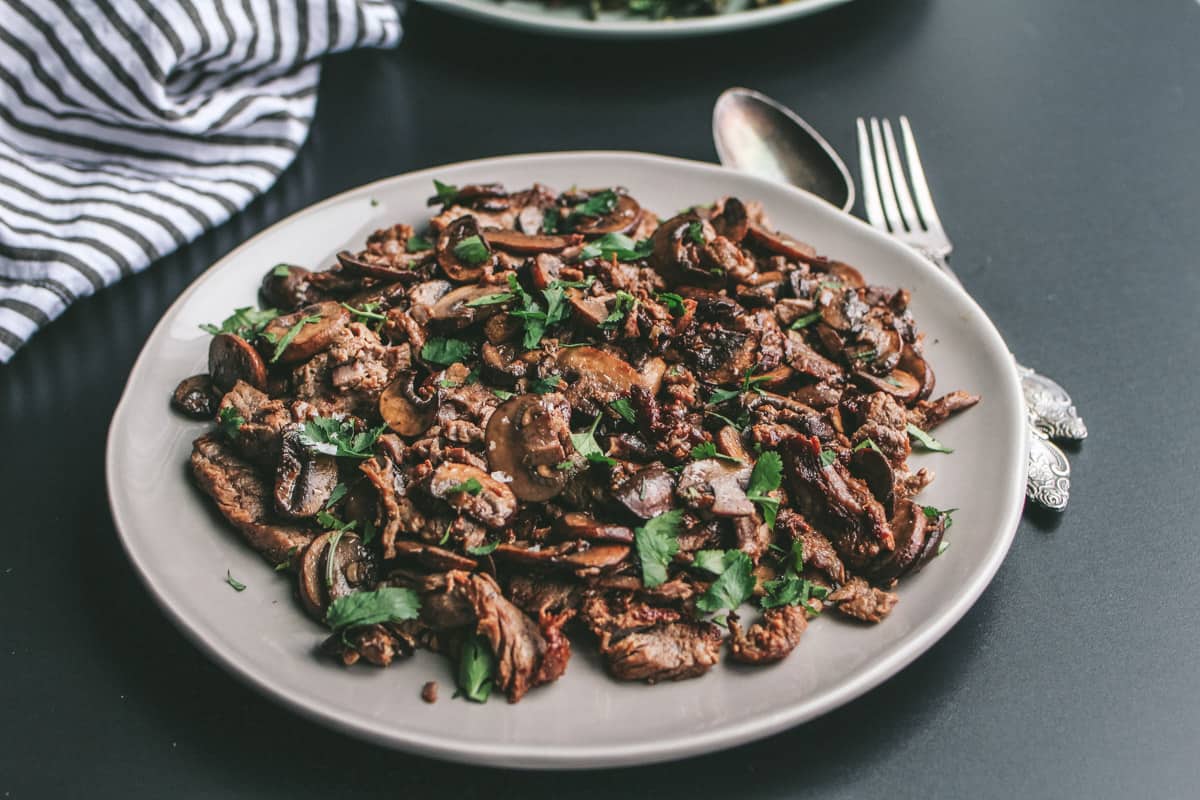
(547, 23)
(592, 756)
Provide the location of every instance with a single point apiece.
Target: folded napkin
(129, 127)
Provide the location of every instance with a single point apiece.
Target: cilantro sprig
(246, 323)
(657, 543)
(339, 437)
(440, 350)
(616, 245)
(709, 450)
(926, 441)
(389, 604)
(587, 446)
(281, 343)
(476, 665)
(732, 587)
(764, 479)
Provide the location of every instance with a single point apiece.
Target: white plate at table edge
(132, 439)
(530, 16)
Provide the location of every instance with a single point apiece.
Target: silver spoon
(758, 135)
(755, 134)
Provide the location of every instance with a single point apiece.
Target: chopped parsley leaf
(544, 385)
(339, 437)
(695, 232)
(471, 251)
(230, 421)
(281, 271)
(475, 666)
(470, 486)
(828, 457)
(617, 245)
(657, 544)
(439, 350)
(237, 585)
(588, 447)
(502, 394)
(389, 604)
(926, 441)
(447, 193)
(733, 587)
(368, 311)
(673, 302)
(625, 409)
(246, 323)
(483, 549)
(290, 336)
(417, 243)
(622, 306)
(865, 443)
(806, 320)
(597, 205)
(766, 477)
(709, 450)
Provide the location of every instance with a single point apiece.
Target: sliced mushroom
(874, 469)
(398, 267)
(427, 293)
(598, 375)
(916, 365)
(474, 194)
(576, 525)
(454, 234)
(500, 364)
(897, 383)
(310, 579)
(842, 309)
(909, 525)
(354, 567)
(433, 557)
(403, 409)
(287, 286)
(196, 397)
(528, 244)
(454, 312)
(781, 243)
(846, 274)
(232, 359)
(487, 500)
(589, 312)
(623, 217)
(572, 555)
(327, 320)
(677, 257)
(733, 222)
(304, 479)
(648, 492)
(716, 487)
(528, 438)
(729, 442)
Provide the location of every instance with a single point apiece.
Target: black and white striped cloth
(128, 127)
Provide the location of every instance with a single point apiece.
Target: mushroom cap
(527, 439)
(304, 479)
(311, 338)
(462, 228)
(231, 359)
(401, 412)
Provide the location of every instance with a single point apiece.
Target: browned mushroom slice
(502, 328)
(396, 268)
(500, 364)
(576, 525)
(589, 312)
(311, 337)
(647, 492)
(232, 359)
(915, 364)
(310, 578)
(468, 265)
(782, 244)
(570, 555)
(897, 383)
(733, 222)
(196, 397)
(874, 469)
(909, 524)
(304, 479)
(354, 567)
(846, 274)
(676, 255)
(473, 492)
(716, 487)
(624, 216)
(474, 194)
(528, 244)
(405, 411)
(433, 557)
(454, 311)
(729, 442)
(528, 438)
(286, 286)
(842, 309)
(596, 374)
(427, 293)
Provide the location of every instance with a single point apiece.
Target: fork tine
(866, 166)
(890, 208)
(902, 194)
(917, 174)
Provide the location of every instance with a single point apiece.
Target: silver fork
(911, 217)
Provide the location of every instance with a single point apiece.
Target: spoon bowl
(755, 134)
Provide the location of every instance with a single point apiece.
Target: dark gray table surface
(1061, 141)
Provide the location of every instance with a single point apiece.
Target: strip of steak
(859, 599)
(770, 640)
(672, 651)
(245, 500)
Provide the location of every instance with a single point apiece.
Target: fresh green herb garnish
(281, 271)
(709, 450)
(625, 409)
(245, 322)
(337, 494)
(339, 437)
(673, 302)
(237, 585)
(502, 394)
(791, 590)
(865, 443)
(597, 205)
(475, 666)
(544, 385)
(695, 232)
(290, 336)
(618, 245)
(536, 320)
(713, 561)
(925, 440)
(942, 545)
(806, 320)
(934, 513)
(657, 544)
(447, 193)
(446, 534)
(470, 486)
(828, 457)
(736, 426)
(491, 299)
(750, 383)
(368, 532)
(733, 587)
(366, 312)
(416, 243)
(439, 350)
(335, 538)
(230, 421)
(766, 477)
(472, 251)
(622, 306)
(484, 549)
(389, 604)
(588, 447)
(550, 221)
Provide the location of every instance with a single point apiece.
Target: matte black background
(1061, 140)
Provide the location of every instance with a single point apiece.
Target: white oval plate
(570, 20)
(182, 549)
